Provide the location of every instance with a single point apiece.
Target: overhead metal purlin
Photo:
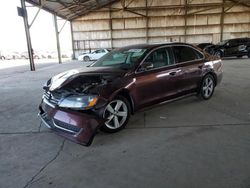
(28, 39)
(72, 9)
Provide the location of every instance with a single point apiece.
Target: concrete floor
(188, 143)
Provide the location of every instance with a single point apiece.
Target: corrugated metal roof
(70, 9)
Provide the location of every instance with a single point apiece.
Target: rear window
(185, 53)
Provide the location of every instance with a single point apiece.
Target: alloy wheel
(208, 87)
(86, 58)
(116, 112)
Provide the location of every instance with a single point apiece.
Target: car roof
(238, 38)
(153, 45)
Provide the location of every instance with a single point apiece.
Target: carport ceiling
(72, 9)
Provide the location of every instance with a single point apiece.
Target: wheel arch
(212, 73)
(86, 56)
(125, 93)
(219, 50)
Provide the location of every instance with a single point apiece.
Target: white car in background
(95, 55)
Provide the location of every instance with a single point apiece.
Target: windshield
(222, 42)
(121, 58)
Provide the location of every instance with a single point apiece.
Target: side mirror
(146, 66)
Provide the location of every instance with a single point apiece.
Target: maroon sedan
(104, 95)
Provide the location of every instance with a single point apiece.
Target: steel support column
(72, 41)
(27, 32)
(111, 28)
(57, 40)
(222, 20)
(147, 22)
(185, 21)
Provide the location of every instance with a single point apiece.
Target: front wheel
(86, 58)
(207, 87)
(218, 54)
(117, 114)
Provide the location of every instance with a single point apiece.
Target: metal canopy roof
(70, 9)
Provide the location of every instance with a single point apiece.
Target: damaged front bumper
(75, 126)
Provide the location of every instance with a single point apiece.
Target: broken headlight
(78, 102)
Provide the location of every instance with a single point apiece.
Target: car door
(231, 47)
(156, 77)
(190, 62)
(242, 47)
(95, 54)
(103, 52)
(99, 53)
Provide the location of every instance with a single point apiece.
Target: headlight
(79, 102)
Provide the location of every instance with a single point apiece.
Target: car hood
(216, 46)
(86, 74)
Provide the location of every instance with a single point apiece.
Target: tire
(118, 113)
(239, 56)
(218, 54)
(207, 87)
(86, 58)
(248, 54)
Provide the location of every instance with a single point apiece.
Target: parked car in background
(39, 55)
(204, 45)
(95, 55)
(2, 56)
(51, 55)
(228, 48)
(76, 103)
(9, 55)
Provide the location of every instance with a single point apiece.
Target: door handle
(174, 72)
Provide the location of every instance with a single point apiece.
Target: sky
(12, 33)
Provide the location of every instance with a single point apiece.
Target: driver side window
(97, 51)
(159, 58)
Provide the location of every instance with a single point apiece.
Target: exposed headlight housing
(80, 102)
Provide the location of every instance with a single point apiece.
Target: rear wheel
(117, 113)
(248, 53)
(207, 87)
(86, 58)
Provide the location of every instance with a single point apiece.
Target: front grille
(51, 97)
(67, 127)
(58, 125)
